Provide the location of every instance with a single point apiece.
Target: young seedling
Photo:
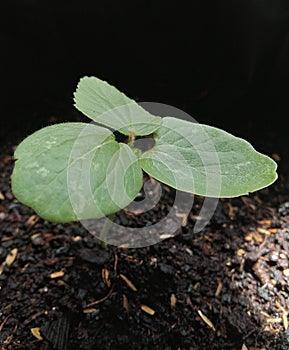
(75, 171)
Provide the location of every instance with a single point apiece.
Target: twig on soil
(128, 282)
(115, 262)
(283, 314)
(33, 317)
(102, 299)
(206, 320)
(32, 221)
(4, 321)
(219, 288)
(147, 309)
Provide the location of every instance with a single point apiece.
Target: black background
(225, 62)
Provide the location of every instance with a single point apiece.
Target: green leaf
(75, 171)
(108, 106)
(207, 161)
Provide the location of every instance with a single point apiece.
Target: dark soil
(226, 287)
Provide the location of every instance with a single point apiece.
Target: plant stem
(105, 228)
(131, 138)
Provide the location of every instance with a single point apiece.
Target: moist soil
(225, 287)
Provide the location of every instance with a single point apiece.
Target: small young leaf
(74, 171)
(108, 106)
(207, 161)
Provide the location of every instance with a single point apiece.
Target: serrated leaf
(106, 105)
(207, 161)
(73, 171)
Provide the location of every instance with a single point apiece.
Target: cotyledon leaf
(74, 171)
(106, 105)
(207, 161)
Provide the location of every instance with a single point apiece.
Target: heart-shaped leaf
(207, 161)
(108, 106)
(74, 171)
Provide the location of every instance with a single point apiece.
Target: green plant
(73, 171)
